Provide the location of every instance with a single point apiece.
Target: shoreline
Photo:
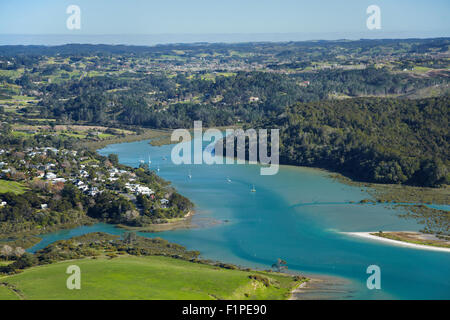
(376, 191)
(370, 236)
(181, 223)
(152, 135)
(323, 287)
(297, 289)
(164, 140)
(148, 134)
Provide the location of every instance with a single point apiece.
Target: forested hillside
(370, 139)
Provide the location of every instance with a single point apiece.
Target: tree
(280, 265)
(114, 159)
(6, 251)
(181, 202)
(19, 251)
(25, 261)
(130, 237)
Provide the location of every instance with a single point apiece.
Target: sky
(222, 19)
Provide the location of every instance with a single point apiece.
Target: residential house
(50, 176)
(164, 203)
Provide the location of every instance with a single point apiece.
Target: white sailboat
(253, 189)
(228, 180)
(149, 160)
(189, 175)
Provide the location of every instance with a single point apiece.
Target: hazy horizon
(53, 22)
(162, 39)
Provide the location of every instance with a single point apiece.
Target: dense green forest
(99, 100)
(369, 139)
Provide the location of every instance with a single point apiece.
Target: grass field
(14, 74)
(7, 294)
(11, 186)
(154, 278)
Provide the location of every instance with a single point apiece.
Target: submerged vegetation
(435, 221)
(414, 202)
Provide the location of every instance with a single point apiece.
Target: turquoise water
(296, 215)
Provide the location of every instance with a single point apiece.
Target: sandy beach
(369, 235)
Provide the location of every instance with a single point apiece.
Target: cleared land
(154, 278)
(395, 193)
(11, 186)
(7, 293)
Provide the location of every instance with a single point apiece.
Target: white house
(54, 150)
(164, 202)
(50, 176)
(84, 174)
(49, 166)
(144, 190)
(93, 192)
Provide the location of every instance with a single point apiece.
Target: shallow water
(295, 215)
